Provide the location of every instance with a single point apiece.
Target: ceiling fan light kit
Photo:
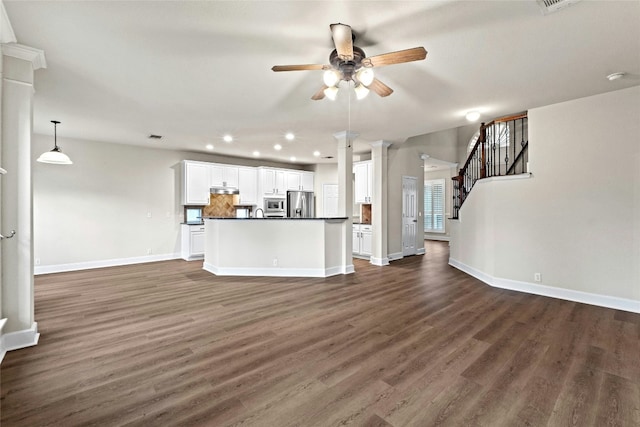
(349, 63)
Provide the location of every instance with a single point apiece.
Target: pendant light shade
(361, 91)
(55, 156)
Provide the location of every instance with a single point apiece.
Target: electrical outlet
(149, 251)
(275, 262)
(537, 277)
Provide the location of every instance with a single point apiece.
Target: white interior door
(409, 214)
(330, 200)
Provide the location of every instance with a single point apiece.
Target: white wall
(96, 210)
(324, 173)
(577, 220)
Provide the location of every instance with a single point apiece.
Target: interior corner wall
(577, 220)
(97, 210)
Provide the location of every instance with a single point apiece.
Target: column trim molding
(25, 53)
(6, 34)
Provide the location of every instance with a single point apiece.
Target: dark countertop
(343, 218)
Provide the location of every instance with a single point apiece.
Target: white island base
(300, 247)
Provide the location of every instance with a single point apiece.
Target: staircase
(501, 149)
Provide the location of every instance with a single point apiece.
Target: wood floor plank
(413, 343)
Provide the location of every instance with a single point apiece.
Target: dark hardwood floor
(417, 343)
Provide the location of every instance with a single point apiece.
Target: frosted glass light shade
(55, 156)
(365, 76)
(331, 92)
(330, 78)
(361, 91)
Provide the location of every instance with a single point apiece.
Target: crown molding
(26, 53)
(6, 30)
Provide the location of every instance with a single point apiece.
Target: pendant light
(55, 156)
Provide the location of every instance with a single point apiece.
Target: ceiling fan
(349, 63)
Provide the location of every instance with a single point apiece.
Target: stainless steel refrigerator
(300, 204)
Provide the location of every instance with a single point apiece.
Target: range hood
(224, 190)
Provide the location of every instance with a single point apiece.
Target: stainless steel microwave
(274, 207)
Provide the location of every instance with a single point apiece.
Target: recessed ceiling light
(277, 147)
(472, 116)
(256, 153)
(316, 153)
(290, 136)
(615, 76)
(292, 158)
(209, 147)
(227, 138)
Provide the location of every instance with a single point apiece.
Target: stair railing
(501, 149)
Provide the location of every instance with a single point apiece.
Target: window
(501, 136)
(434, 206)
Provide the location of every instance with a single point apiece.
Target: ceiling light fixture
(277, 147)
(316, 153)
(361, 91)
(615, 76)
(227, 138)
(292, 158)
(331, 92)
(290, 136)
(256, 153)
(472, 116)
(365, 76)
(330, 78)
(55, 156)
(209, 147)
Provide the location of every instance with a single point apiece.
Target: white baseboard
(394, 256)
(278, 272)
(420, 251)
(379, 261)
(20, 339)
(550, 291)
(59, 268)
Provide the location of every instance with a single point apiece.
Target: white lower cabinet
(362, 239)
(192, 242)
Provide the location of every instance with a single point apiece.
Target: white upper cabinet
(307, 181)
(248, 185)
(299, 180)
(195, 189)
(272, 182)
(224, 176)
(363, 181)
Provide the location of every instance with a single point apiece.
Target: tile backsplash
(221, 205)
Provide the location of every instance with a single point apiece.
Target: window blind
(434, 206)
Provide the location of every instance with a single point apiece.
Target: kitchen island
(300, 247)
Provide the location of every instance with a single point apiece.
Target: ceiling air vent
(550, 6)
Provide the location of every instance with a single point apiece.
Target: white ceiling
(194, 71)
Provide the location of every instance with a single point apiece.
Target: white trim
(59, 268)
(420, 251)
(525, 175)
(21, 339)
(379, 261)
(26, 53)
(2, 323)
(394, 256)
(277, 272)
(550, 291)
(6, 30)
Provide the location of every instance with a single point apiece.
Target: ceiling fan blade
(301, 67)
(380, 88)
(319, 94)
(343, 39)
(407, 55)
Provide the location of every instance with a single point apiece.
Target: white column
(345, 193)
(379, 255)
(19, 64)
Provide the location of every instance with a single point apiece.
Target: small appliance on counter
(274, 208)
(300, 204)
(243, 211)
